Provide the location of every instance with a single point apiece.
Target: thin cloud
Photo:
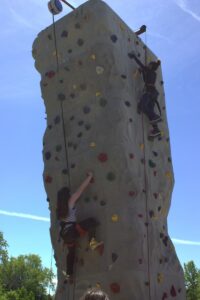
(160, 36)
(184, 242)
(20, 20)
(24, 216)
(184, 6)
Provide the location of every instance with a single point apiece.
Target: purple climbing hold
(113, 38)
(80, 42)
(47, 155)
(64, 33)
(86, 109)
(61, 97)
(57, 120)
(127, 103)
(114, 257)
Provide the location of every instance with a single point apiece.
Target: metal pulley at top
(55, 6)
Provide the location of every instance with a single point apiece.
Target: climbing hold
(168, 175)
(87, 126)
(102, 203)
(131, 156)
(160, 278)
(98, 285)
(131, 193)
(65, 171)
(173, 291)
(130, 120)
(115, 218)
(80, 123)
(77, 26)
(75, 146)
(127, 103)
(86, 109)
(95, 198)
(55, 6)
(74, 86)
(155, 195)
(64, 33)
(140, 216)
(114, 257)
(49, 37)
(142, 147)
(50, 74)
(115, 287)
(98, 94)
(49, 127)
(72, 95)
(61, 97)
(159, 208)
(92, 144)
(47, 155)
(165, 296)
(102, 102)
(48, 179)
(48, 200)
(87, 199)
(83, 86)
(79, 134)
(73, 166)
(58, 148)
(114, 38)
(99, 70)
(140, 261)
(102, 157)
(93, 57)
(121, 26)
(123, 76)
(151, 213)
(154, 173)
(155, 153)
(169, 159)
(80, 42)
(69, 51)
(142, 161)
(151, 164)
(100, 249)
(111, 176)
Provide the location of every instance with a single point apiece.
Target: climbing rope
(65, 139)
(146, 188)
(51, 263)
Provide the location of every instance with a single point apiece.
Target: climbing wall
(91, 88)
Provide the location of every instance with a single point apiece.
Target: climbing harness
(55, 6)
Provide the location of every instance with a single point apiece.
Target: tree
(23, 277)
(192, 281)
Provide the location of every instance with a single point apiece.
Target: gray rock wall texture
(98, 87)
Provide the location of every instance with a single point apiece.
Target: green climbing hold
(151, 164)
(111, 176)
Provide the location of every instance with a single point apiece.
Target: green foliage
(192, 281)
(23, 277)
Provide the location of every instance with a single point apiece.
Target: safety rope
(51, 263)
(146, 188)
(65, 143)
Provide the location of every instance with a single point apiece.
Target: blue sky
(174, 35)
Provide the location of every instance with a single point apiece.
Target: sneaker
(94, 244)
(155, 132)
(156, 119)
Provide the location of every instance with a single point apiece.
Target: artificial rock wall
(91, 104)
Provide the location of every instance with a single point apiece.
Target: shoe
(67, 276)
(154, 133)
(156, 119)
(94, 244)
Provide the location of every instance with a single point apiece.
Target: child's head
(62, 202)
(154, 65)
(95, 294)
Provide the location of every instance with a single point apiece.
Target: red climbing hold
(115, 287)
(173, 291)
(103, 157)
(48, 179)
(131, 193)
(165, 296)
(50, 74)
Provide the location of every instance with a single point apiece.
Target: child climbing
(150, 94)
(94, 294)
(70, 229)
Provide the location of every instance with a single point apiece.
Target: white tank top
(71, 215)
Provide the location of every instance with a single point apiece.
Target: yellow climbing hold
(98, 94)
(74, 86)
(98, 285)
(160, 278)
(162, 133)
(121, 26)
(142, 147)
(115, 218)
(92, 144)
(168, 175)
(93, 57)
